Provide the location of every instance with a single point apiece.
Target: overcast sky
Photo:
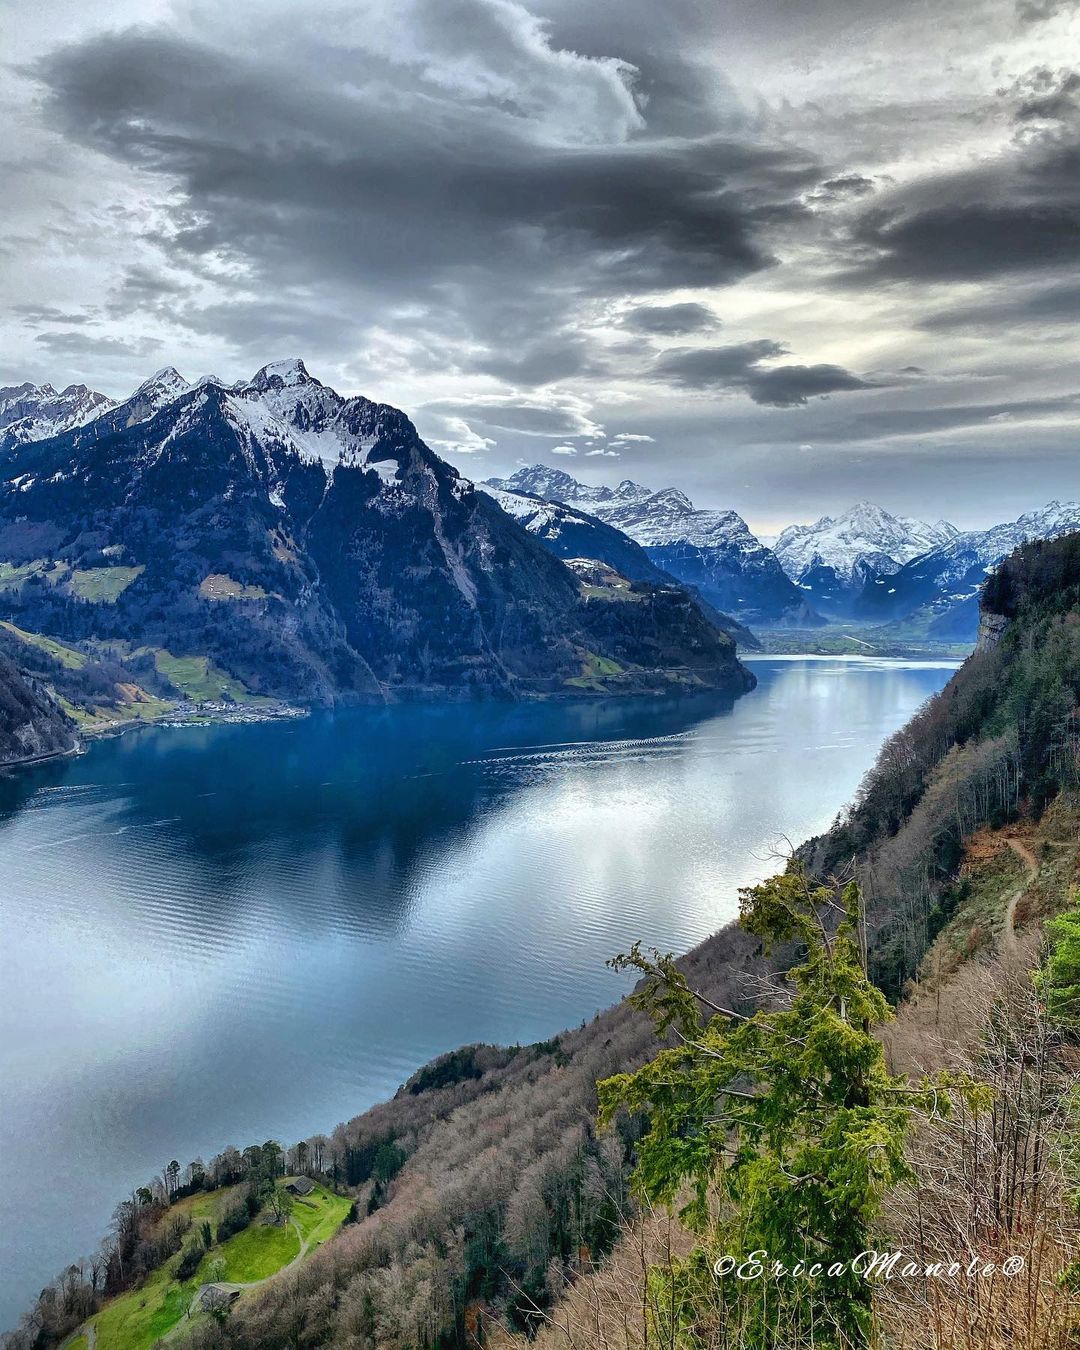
(781, 255)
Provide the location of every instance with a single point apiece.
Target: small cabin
(300, 1185)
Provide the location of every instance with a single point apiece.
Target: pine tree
(784, 1127)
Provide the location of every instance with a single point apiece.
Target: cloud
(626, 437)
(1011, 212)
(605, 453)
(973, 241)
(442, 154)
(80, 344)
(36, 315)
(454, 436)
(794, 386)
(1038, 11)
(739, 367)
(1040, 306)
(564, 450)
(707, 367)
(844, 187)
(671, 319)
(555, 418)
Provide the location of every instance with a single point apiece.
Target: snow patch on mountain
(866, 539)
(33, 412)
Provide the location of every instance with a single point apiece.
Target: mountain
(833, 559)
(313, 547)
(32, 724)
(939, 590)
(712, 551)
(31, 412)
(572, 534)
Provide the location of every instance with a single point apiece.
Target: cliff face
(32, 723)
(991, 629)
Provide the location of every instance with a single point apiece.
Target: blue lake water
(217, 935)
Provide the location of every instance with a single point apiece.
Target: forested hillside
(1002, 735)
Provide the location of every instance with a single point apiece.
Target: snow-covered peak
(866, 537)
(669, 499)
(153, 394)
(541, 481)
(653, 519)
(33, 412)
(282, 375)
(167, 380)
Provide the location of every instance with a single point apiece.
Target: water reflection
(218, 934)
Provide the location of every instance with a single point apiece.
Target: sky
(783, 256)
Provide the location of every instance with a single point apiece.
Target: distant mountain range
(940, 588)
(313, 547)
(712, 551)
(833, 559)
(865, 565)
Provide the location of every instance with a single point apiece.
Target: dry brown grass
(989, 1185)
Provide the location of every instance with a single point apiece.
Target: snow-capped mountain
(31, 412)
(312, 544)
(570, 533)
(942, 586)
(573, 534)
(712, 551)
(538, 480)
(832, 559)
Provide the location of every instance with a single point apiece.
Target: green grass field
(254, 1254)
(136, 1320)
(68, 657)
(320, 1214)
(199, 679)
(102, 585)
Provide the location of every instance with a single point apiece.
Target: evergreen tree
(785, 1128)
(1059, 980)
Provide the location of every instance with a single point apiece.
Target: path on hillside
(1010, 945)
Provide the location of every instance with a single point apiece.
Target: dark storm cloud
(1014, 212)
(970, 242)
(738, 366)
(706, 367)
(543, 362)
(794, 386)
(672, 320)
(889, 423)
(379, 187)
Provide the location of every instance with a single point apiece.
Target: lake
(221, 934)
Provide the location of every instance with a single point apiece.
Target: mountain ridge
(712, 551)
(316, 548)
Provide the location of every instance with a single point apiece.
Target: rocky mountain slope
(832, 559)
(32, 723)
(30, 412)
(712, 551)
(315, 548)
(570, 533)
(940, 589)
